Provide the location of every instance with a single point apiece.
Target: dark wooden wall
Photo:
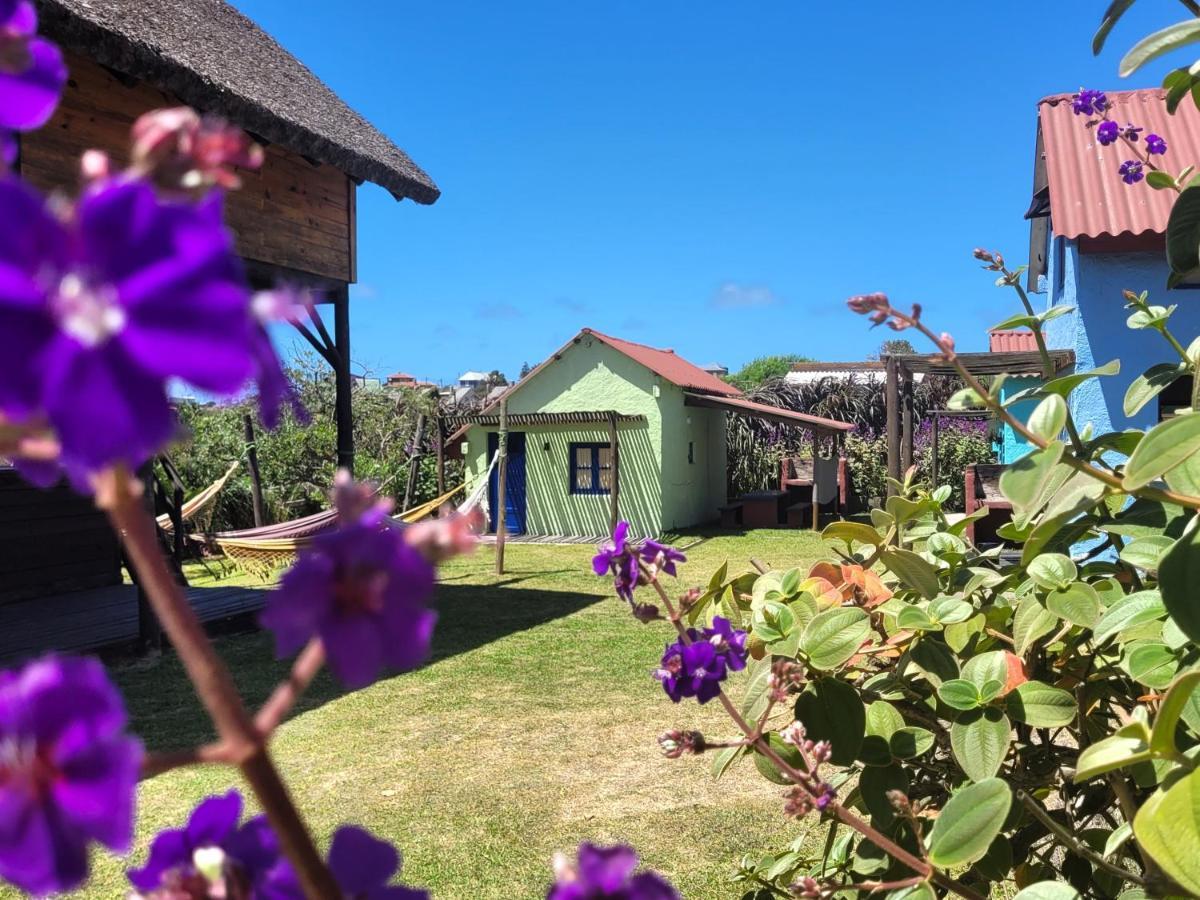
(291, 213)
(51, 541)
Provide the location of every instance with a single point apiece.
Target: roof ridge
(610, 337)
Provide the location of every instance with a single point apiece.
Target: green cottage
(598, 401)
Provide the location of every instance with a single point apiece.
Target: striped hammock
(199, 509)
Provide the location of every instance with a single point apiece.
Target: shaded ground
(532, 728)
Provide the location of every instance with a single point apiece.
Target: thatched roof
(214, 58)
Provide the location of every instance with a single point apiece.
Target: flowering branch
(803, 779)
(117, 495)
(284, 697)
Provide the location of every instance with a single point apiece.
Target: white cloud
(731, 295)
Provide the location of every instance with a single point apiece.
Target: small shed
(608, 428)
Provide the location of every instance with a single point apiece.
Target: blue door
(514, 485)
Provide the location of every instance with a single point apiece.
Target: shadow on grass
(166, 715)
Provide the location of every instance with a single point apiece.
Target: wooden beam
(414, 461)
(893, 421)
(440, 449)
(501, 486)
(343, 382)
(906, 421)
(256, 492)
(614, 507)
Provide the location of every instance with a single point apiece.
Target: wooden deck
(89, 620)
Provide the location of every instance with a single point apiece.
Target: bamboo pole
(501, 487)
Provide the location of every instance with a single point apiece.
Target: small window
(591, 468)
(691, 452)
(1175, 397)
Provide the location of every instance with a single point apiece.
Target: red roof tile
(1011, 341)
(1087, 197)
(668, 365)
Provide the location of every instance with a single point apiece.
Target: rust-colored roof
(742, 406)
(668, 365)
(1011, 341)
(1087, 197)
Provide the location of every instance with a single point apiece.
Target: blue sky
(712, 177)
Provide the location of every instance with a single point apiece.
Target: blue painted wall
(1012, 445)
(1094, 283)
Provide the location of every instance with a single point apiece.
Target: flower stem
(922, 868)
(117, 494)
(284, 697)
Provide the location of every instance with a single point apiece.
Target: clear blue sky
(712, 177)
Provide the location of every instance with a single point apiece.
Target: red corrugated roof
(764, 410)
(1087, 197)
(1011, 341)
(668, 365)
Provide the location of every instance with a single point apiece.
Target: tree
(496, 377)
(894, 347)
(762, 368)
(525, 369)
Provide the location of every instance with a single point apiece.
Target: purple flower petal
(28, 98)
(359, 861)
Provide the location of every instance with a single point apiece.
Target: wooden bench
(731, 515)
(799, 515)
(981, 489)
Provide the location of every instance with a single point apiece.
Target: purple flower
(68, 772)
(651, 550)
(696, 669)
(607, 873)
(1131, 171)
(212, 844)
(96, 316)
(360, 863)
(32, 73)
(364, 591)
(1130, 132)
(1155, 144)
(1108, 133)
(1087, 103)
(616, 556)
(728, 641)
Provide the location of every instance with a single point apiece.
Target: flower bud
(94, 165)
(982, 255)
(646, 612)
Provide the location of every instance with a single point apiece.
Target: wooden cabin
(294, 220)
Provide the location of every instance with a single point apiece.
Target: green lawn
(533, 728)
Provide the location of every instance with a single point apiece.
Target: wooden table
(762, 509)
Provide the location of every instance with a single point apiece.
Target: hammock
(199, 508)
(262, 551)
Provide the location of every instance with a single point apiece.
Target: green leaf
(1112, 15)
(875, 783)
(831, 710)
(933, 658)
(1155, 45)
(958, 693)
(965, 398)
(1052, 571)
(726, 758)
(1183, 233)
(787, 752)
(950, 610)
(1160, 181)
(1145, 552)
(1042, 705)
(913, 618)
(851, 532)
(910, 741)
(883, 720)
(1128, 746)
(922, 891)
(1162, 737)
(758, 681)
(1165, 446)
(1150, 317)
(1067, 383)
(1178, 578)
(980, 741)
(913, 571)
(968, 823)
(1078, 604)
(1048, 890)
(1049, 417)
(1150, 384)
(1151, 663)
(990, 666)
(1117, 839)
(1032, 621)
(1168, 828)
(1133, 609)
(834, 636)
(1026, 482)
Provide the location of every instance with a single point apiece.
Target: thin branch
(158, 763)
(1070, 841)
(285, 695)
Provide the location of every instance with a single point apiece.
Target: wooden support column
(256, 492)
(906, 419)
(343, 382)
(150, 634)
(501, 486)
(893, 421)
(414, 462)
(614, 507)
(440, 433)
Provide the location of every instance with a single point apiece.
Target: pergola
(901, 367)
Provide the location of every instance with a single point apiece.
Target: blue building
(1093, 237)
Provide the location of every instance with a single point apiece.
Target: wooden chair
(981, 489)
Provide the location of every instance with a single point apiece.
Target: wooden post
(933, 453)
(150, 635)
(501, 486)
(414, 461)
(893, 421)
(614, 508)
(440, 430)
(344, 385)
(256, 494)
(906, 419)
